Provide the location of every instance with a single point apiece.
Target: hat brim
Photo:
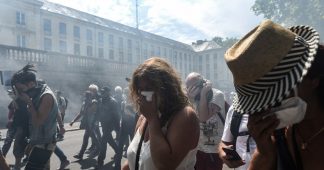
(273, 87)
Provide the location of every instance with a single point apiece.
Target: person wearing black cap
(108, 116)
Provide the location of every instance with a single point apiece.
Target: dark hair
(165, 82)
(317, 71)
(25, 75)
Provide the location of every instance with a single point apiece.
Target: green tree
(225, 42)
(293, 12)
(218, 40)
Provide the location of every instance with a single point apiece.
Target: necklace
(306, 143)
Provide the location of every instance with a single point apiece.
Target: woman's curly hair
(165, 82)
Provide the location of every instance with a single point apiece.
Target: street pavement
(71, 146)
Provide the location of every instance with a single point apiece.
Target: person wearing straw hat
(278, 77)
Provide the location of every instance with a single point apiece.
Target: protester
(128, 117)
(62, 105)
(278, 76)
(88, 113)
(11, 129)
(210, 106)
(118, 96)
(109, 119)
(43, 110)
(58, 151)
(94, 150)
(167, 131)
(17, 129)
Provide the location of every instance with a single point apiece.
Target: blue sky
(182, 20)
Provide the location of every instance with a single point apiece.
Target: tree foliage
(225, 42)
(293, 12)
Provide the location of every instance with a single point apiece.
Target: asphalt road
(70, 146)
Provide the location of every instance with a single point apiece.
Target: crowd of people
(275, 120)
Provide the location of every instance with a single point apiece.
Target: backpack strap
(235, 125)
(221, 117)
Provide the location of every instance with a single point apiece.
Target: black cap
(105, 89)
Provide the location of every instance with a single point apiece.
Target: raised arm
(261, 129)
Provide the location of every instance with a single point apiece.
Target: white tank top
(146, 162)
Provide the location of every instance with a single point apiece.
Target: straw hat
(268, 62)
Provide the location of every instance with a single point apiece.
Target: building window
(129, 45)
(121, 56)
(200, 63)
(164, 52)
(208, 66)
(89, 35)
(158, 51)
(129, 58)
(63, 47)
(120, 43)
(180, 61)
(100, 38)
(21, 41)
(89, 51)
(76, 32)
(62, 29)
(111, 41)
(152, 51)
(137, 51)
(129, 51)
(47, 44)
(100, 52)
(175, 59)
(76, 49)
(145, 55)
(190, 63)
(47, 27)
(20, 18)
(111, 54)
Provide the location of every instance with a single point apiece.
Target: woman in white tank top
(168, 124)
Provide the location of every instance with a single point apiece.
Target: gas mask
(291, 111)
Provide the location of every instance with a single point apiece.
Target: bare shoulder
(47, 98)
(188, 113)
(184, 128)
(187, 117)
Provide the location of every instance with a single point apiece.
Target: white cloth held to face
(148, 95)
(291, 111)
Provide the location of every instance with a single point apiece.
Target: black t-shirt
(21, 115)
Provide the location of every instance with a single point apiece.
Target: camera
(209, 94)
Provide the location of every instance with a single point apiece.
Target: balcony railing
(63, 62)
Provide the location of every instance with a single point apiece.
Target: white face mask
(291, 111)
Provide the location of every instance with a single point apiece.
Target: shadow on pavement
(91, 164)
(87, 163)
